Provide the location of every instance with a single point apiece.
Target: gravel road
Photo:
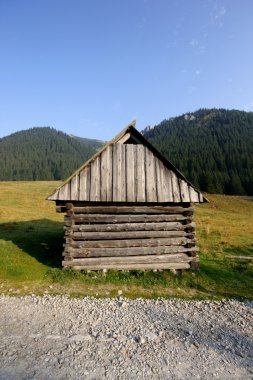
(61, 338)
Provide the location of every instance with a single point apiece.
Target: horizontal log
(192, 252)
(130, 210)
(98, 218)
(163, 226)
(132, 251)
(67, 257)
(61, 209)
(177, 241)
(113, 235)
(180, 257)
(72, 204)
(134, 266)
(191, 243)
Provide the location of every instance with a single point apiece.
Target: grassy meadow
(31, 238)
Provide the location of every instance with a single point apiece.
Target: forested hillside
(42, 153)
(212, 147)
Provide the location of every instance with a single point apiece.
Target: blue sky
(89, 67)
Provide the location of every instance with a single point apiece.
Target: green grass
(31, 238)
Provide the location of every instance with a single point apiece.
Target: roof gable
(128, 169)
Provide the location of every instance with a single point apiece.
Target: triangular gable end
(128, 169)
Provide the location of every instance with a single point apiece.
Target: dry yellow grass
(23, 201)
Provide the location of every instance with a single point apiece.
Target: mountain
(213, 148)
(92, 143)
(43, 153)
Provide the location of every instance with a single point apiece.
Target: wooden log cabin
(128, 208)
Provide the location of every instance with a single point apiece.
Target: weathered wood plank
(180, 257)
(129, 266)
(132, 210)
(119, 173)
(166, 194)
(83, 191)
(119, 233)
(196, 196)
(159, 179)
(128, 251)
(88, 181)
(130, 174)
(104, 171)
(64, 192)
(153, 242)
(99, 218)
(54, 196)
(167, 184)
(84, 185)
(124, 138)
(184, 191)
(95, 180)
(83, 196)
(193, 195)
(92, 181)
(201, 199)
(115, 186)
(125, 235)
(109, 174)
(163, 226)
(93, 168)
(140, 174)
(175, 188)
(74, 184)
(151, 193)
(123, 174)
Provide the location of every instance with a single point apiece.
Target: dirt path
(60, 338)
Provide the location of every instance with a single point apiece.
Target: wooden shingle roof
(128, 169)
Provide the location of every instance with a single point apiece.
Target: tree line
(42, 153)
(213, 148)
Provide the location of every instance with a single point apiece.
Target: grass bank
(31, 235)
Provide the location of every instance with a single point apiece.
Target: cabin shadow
(41, 239)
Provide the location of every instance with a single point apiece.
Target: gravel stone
(57, 337)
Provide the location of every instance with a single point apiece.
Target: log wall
(129, 237)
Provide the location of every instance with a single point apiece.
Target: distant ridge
(211, 147)
(91, 142)
(43, 153)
